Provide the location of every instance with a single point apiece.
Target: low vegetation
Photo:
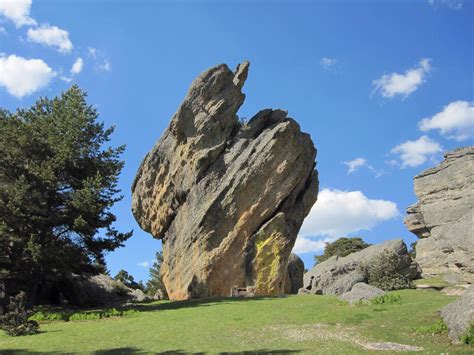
(305, 323)
(46, 315)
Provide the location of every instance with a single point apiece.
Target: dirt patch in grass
(323, 332)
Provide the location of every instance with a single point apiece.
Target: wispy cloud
(328, 63)
(357, 163)
(145, 263)
(394, 84)
(452, 4)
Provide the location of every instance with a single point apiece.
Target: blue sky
(383, 87)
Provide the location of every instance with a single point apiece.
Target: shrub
(468, 337)
(15, 321)
(382, 273)
(436, 328)
(386, 299)
(44, 316)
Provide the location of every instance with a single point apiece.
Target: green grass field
(293, 324)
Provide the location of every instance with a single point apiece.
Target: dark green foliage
(468, 337)
(16, 321)
(128, 280)
(383, 273)
(57, 186)
(341, 247)
(155, 283)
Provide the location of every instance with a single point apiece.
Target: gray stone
(443, 216)
(295, 272)
(227, 198)
(337, 275)
(361, 292)
(459, 315)
(98, 291)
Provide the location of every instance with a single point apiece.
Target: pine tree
(57, 186)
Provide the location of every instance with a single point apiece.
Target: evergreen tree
(57, 185)
(155, 282)
(341, 247)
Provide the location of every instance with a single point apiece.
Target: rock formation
(337, 275)
(459, 315)
(443, 217)
(226, 197)
(294, 280)
(98, 291)
(361, 292)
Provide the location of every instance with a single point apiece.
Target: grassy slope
(300, 323)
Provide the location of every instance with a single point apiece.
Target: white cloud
(105, 66)
(308, 245)
(355, 164)
(327, 62)
(456, 121)
(92, 52)
(415, 153)
(22, 76)
(51, 36)
(452, 4)
(390, 85)
(17, 11)
(3, 30)
(77, 66)
(338, 213)
(145, 263)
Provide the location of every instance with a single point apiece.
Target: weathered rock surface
(459, 315)
(337, 275)
(295, 272)
(361, 292)
(443, 218)
(226, 198)
(98, 291)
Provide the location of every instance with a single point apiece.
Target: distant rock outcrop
(459, 315)
(338, 275)
(443, 218)
(294, 274)
(226, 197)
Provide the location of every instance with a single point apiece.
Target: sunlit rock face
(443, 217)
(227, 198)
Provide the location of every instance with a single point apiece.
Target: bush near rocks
(15, 322)
(383, 273)
(341, 247)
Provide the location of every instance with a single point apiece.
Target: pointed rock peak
(241, 73)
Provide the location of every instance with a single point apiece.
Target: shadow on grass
(204, 302)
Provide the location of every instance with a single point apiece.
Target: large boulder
(98, 291)
(459, 315)
(295, 272)
(443, 216)
(337, 275)
(226, 197)
(361, 292)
